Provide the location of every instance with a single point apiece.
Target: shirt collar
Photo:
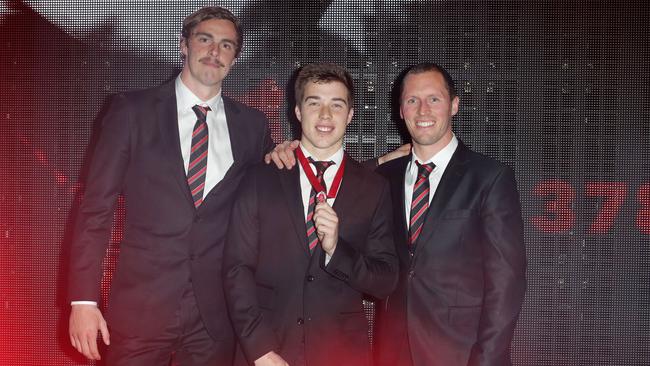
(441, 158)
(186, 99)
(337, 157)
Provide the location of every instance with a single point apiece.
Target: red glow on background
(268, 97)
(61, 178)
(41, 157)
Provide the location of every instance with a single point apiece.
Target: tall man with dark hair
(176, 152)
(459, 237)
(306, 246)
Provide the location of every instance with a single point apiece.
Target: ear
(298, 115)
(454, 106)
(183, 46)
(350, 114)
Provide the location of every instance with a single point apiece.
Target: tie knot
(201, 111)
(425, 169)
(321, 166)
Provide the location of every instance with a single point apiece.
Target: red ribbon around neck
(336, 183)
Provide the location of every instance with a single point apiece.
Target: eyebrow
(435, 94)
(227, 40)
(316, 97)
(203, 34)
(230, 41)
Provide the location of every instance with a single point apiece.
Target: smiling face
(209, 53)
(324, 114)
(427, 109)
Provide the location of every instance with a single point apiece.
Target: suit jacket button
(300, 321)
(411, 274)
(310, 278)
(192, 257)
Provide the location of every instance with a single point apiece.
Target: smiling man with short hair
(459, 238)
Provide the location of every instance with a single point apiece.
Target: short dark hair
(427, 67)
(323, 73)
(212, 12)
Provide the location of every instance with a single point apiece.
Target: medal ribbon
(336, 183)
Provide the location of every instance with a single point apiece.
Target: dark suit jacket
(460, 294)
(167, 243)
(282, 299)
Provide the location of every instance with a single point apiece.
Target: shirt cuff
(83, 303)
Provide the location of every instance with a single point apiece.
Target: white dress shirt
(219, 151)
(441, 160)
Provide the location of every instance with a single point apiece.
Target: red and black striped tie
(420, 201)
(199, 155)
(312, 236)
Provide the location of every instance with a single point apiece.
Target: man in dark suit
(177, 153)
(306, 246)
(459, 238)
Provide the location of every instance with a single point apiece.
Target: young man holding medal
(305, 246)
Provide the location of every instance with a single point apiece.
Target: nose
(424, 109)
(325, 113)
(214, 49)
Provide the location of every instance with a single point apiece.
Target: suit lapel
(397, 177)
(236, 133)
(346, 197)
(290, 180)
(398, 180)
(167, 114)
(237, 137)
(448, 184)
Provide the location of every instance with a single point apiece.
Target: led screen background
(559, 90)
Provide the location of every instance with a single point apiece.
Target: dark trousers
(184, 342)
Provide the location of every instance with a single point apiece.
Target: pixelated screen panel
(557, 90)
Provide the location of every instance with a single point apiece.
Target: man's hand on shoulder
(397, 153)
(271, 359)
(85, 322)
(283, 155)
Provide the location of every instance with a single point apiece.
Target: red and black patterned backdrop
(559, 90)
